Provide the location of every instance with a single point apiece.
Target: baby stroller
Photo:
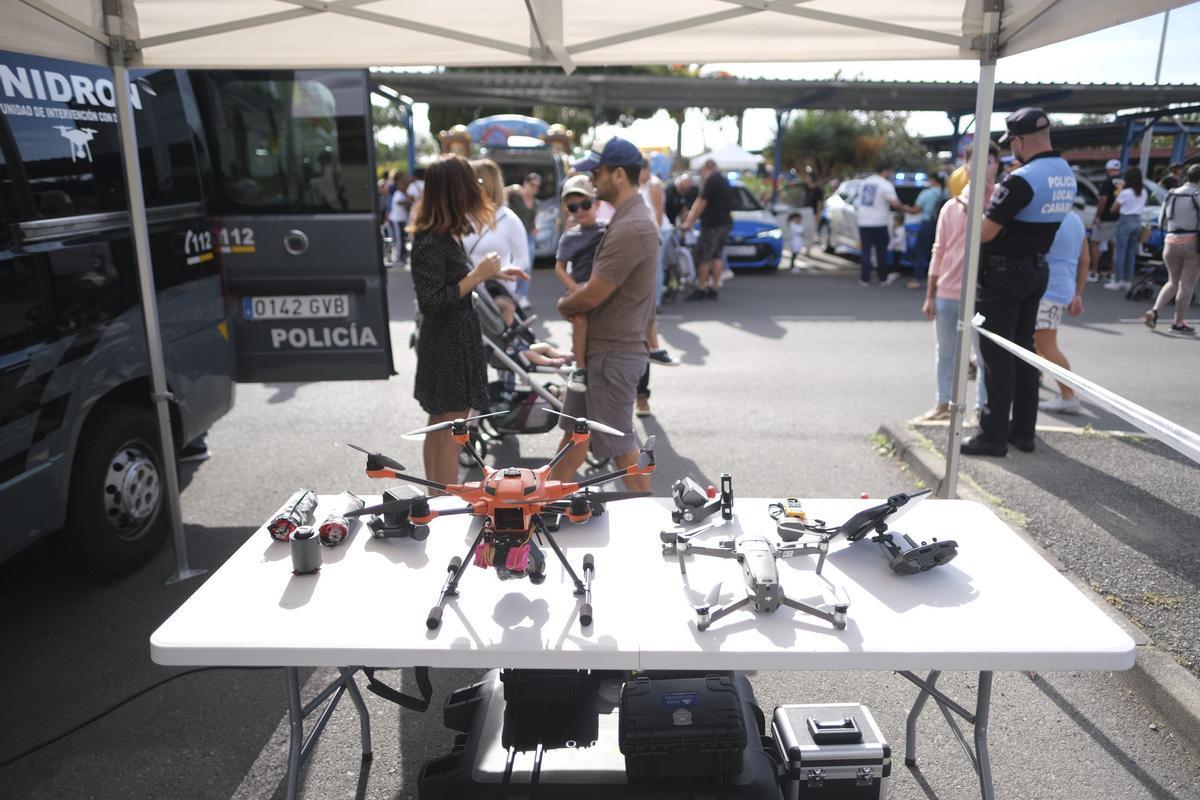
(514, 391)
(679, 265)
(1147, 283)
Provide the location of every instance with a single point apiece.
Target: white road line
(809, 318)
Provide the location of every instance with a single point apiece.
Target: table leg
(364, 719)
(978, 756)
(296, 723)
(982, 710)
(910, 728)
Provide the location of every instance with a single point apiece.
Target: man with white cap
(1104, 227)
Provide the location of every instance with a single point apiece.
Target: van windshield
(292, 143)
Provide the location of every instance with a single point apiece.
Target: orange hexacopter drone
(513, 506)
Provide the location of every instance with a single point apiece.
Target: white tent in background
(729, 157)
(310, 34)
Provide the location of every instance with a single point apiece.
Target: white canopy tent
(566, 33)
(729, 157)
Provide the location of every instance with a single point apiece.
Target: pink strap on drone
(518, 558)
(483, 555)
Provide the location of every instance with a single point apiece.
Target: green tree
(836, 143)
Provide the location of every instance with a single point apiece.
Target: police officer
(1018, 229)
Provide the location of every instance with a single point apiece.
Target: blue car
(755, 241)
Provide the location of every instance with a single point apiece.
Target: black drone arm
(561, 454)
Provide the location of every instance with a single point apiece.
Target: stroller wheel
(478, 445)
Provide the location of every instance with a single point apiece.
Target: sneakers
(938, 412)
(1113, 285)
(891, 278)
(865, 284)
(712, 294)
(1150, 318)
(1060, 406)
(1183, 327)
(664, 358)
(979, 446)
(577, 380)
(1093, 277)
(641, 406)
(914, 284)
(726, 275)
(697, 294)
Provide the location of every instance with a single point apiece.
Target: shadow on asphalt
(1156, 790)
(80, 645)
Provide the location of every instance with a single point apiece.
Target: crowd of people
(624, 225)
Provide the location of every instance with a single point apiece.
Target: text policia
(310, 338)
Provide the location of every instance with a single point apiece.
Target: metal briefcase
(831, 751)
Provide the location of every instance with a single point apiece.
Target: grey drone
(757, 555)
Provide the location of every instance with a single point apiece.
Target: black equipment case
(556, 737)
(831, 751)
(682, 727)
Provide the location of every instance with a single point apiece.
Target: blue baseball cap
(617, 152)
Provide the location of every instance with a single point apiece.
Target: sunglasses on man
(585, 205)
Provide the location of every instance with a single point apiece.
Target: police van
(266, 262)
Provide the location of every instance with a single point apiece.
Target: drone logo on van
(80, 139)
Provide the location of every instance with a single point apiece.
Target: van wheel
(115, 516)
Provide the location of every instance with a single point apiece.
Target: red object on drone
(510, 503)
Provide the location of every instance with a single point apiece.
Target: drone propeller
(710, 600)
(452, 423)
(377, 458)
(590, 424)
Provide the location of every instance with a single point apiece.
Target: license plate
(741, 250)
(296, 306)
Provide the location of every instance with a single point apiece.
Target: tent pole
(149, 295)
(984, 97)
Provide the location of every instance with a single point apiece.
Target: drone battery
(831, 751)
(296, 512)
(336, 527)
(682, 727)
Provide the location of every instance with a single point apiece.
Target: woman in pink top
(943, 295)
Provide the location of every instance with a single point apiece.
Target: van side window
(293, 146)
(22, 310)
(165, 146)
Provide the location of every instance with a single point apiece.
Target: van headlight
(769, 233)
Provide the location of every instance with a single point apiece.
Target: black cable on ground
(113, 708)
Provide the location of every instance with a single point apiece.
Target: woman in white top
(397, 217)
(1131, 200)
(507, 237)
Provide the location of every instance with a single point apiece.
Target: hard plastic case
(577, 758)
(831, 751)
(682, 727)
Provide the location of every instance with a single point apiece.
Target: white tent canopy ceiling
(358, 33)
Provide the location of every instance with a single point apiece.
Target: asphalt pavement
(785, 383)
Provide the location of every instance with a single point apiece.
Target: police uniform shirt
(1030, 202)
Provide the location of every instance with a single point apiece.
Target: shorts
(1049, 315)
(612, 380)
(1103, 231)
(711, 243)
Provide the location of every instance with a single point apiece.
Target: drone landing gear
(705, 616)
(456, 567)
(836, 618)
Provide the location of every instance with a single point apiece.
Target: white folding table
(997, 606)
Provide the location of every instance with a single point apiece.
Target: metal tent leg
(978, 755)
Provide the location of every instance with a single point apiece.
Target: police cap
(1024, 121)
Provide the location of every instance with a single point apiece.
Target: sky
(1124, 54)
